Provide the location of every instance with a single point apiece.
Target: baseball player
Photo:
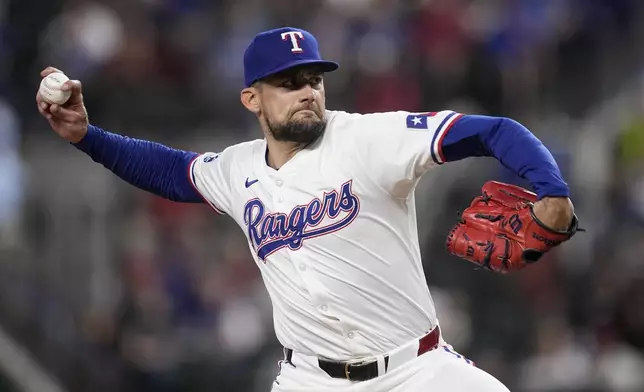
(326, 201)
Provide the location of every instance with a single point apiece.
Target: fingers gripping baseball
(69, 119)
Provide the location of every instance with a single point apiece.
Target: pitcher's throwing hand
(69, 120)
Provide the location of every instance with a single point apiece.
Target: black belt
(368, 369)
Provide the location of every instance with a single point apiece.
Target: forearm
(150, 166)
(510, 143)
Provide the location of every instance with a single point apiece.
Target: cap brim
(325, 66)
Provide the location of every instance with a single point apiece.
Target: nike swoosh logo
(249, 183)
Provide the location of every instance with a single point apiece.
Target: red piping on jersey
(190, 173)
(440, 141)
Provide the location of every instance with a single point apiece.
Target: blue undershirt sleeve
(510, 143)
(150, 166)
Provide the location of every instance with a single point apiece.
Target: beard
(302, 131)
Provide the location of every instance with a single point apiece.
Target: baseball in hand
(50, 88)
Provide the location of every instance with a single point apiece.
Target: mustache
(311, 107)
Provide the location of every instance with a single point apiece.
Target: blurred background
(106, 288)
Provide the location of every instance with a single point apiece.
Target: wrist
(85, 139)
(555, 212)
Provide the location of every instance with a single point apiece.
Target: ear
(250, 99)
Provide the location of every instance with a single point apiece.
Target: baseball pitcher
(326, 201)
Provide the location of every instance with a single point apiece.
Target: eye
(288, 83)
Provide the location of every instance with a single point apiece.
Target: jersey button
(351, 335)
(324, 308)
(279, 182)
(302, 267)
(280, 199)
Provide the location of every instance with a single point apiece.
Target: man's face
(292, 104)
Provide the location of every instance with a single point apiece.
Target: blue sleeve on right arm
(150, 166)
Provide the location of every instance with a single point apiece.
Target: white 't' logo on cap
(294, 36)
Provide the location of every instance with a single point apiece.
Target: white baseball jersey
(333, 231)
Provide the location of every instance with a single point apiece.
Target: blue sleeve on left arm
(509, 142)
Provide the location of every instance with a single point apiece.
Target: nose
(308, 94)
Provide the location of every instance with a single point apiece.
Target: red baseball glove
(500, 232)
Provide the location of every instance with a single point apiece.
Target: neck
(280, 152)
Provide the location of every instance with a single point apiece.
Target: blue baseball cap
(276, 50)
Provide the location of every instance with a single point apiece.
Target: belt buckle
(364, 362)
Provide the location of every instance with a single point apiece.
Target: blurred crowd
(113, 289)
